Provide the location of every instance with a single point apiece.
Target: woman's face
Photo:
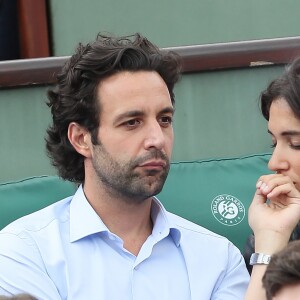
(284, 128)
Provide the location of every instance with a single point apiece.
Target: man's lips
(157, 164)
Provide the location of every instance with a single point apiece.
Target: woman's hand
(274, 212)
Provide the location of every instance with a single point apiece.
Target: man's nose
(155, 137)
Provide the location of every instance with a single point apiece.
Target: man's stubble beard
(124, 181)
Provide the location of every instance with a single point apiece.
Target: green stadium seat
(213, 193)
(20, 198)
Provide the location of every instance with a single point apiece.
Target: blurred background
(217, 113)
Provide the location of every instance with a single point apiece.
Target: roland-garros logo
(228, 210)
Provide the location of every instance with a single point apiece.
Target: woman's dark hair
(286, 86)
(283, 270)
(74, 98)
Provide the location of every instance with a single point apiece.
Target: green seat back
(215, 193)
(26, 196)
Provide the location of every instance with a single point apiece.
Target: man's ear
(80, 139)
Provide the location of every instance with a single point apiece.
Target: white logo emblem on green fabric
(228, 210)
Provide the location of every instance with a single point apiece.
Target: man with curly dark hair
(112, 134)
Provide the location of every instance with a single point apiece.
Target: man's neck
(130, 221)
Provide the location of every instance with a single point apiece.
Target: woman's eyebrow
(290, 133)
(287, 132)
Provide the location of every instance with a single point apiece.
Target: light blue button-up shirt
(65, 251)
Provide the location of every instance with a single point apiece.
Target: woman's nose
(278, 160)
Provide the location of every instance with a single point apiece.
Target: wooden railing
(196, 58)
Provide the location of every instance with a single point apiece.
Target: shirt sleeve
(22, 269)
(233, 284)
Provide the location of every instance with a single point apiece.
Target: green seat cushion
(23, 197)
(215, 193)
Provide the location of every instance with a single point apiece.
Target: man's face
(135, 135)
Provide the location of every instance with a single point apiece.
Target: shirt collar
(81, 211)
(84, 220)
(163, 224)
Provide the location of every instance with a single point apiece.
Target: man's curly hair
(74, 98)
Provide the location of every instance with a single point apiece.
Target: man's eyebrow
(167, 110)
(129, 114)
(287, 133)
(140, 113)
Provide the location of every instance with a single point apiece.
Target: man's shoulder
(205, 244)
(188, 227)
(41, 219)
